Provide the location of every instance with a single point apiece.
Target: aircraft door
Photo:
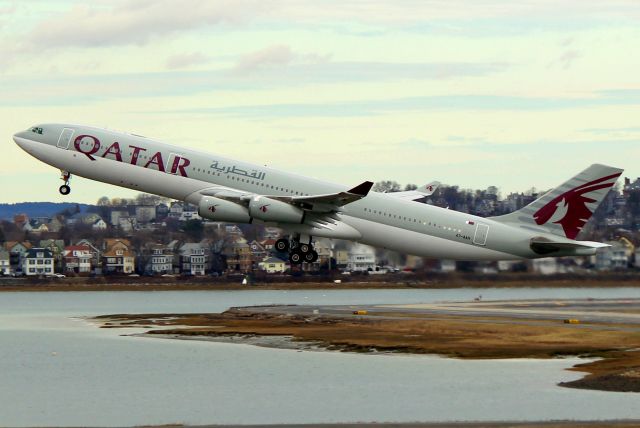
(65, 138)
(480, 238)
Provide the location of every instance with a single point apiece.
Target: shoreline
(612, 348)
(352, 283)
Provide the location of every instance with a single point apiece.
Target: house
(175, 211)
(162, 211)
(55, 224)
(239, 257)
(87, 219)
(37, 261)
(159, 259)
(193, 258)
(268, 244)
(362, 258)
(56, 246)
(127, 223)
(145, 213)
(615, 257)
(258, 252)
(78, 259)
(273, 265)
(5, 263)
(99, 224)
(36, 227)
(116, 215)
(17, 250)
(21, 220)
(118, 256)
(189, 215)
(96, 262)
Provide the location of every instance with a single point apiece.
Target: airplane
(228, 190)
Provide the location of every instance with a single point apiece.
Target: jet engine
(267, 209)
(217, 209)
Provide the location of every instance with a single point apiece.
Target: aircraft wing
(316, 203)
(421, 192)
(330, 201)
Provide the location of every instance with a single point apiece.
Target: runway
(616, 314)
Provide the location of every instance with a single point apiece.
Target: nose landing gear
(65, 189)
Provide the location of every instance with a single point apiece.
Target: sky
(474, 93)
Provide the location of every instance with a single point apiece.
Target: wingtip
(362, 189)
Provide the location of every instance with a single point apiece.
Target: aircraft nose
(20, 135)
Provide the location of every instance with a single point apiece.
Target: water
(59, 370)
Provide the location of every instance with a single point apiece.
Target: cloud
(278, 55)
(186, 60)
(275, 56)
(566, 59)
(137, 21)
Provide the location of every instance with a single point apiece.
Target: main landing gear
(65, 189)
(299, 252)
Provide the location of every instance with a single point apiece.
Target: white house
(160, 260)
(362, 258)
(38, 261)
(5, 264)
(193, 259)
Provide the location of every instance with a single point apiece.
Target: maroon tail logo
(574, 204)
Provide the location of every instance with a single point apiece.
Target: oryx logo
(570, 209)
(212, 208)
(263, 208)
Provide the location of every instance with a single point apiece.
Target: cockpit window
(37, 130)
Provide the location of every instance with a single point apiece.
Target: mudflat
(459, 336)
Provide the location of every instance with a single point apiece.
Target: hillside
(37, 209)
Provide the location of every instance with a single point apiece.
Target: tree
(410, 186)
(193, 229)
(386, 186)
(103, 201)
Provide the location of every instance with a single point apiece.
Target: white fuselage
(380, 219)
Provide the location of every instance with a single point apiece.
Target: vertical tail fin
(566, 209)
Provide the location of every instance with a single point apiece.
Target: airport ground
(606, 331)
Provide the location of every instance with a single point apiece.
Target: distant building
(118, 256)
(193, 258)
(5, 263)
(37, 261)
(17, 250)
(127, 223)
(239, 257)
(145, 213)
(615, 257)
(273, 265)
(116, 215)
(78, 259)
(362, 258)
(258, 251)
(159, 260)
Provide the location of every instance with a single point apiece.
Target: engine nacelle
(267, 209)
(217, 209)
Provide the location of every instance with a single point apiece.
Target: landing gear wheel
(64, 189)
(282, 245)
(304, 248)
(311, 256)
(296, 258)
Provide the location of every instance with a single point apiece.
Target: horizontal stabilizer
(419, 193)
(547, 246)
